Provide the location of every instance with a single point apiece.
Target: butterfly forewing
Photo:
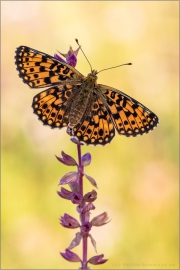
(130, 117)
(38, 69)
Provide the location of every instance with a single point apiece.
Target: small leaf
(93, 242)
(69, 178)
(91, 180)
(76, 241)
(100, 220)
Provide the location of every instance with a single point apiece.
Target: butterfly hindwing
(53, 105)
(38, 69)
(130, 117)
(96, 127)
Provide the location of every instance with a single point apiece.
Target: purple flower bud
(76, 198)
(90, 196)
(88, 207)
(68, 178)
(67, 160)
(86, 227)
(70, 56)
(65, 194)
(72, 60)
(97, 259)
(70, 256)
(86, 159)
(100, 220)
(91, 180)
(76, 241)
(69, 222)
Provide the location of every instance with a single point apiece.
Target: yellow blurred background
(137, 177)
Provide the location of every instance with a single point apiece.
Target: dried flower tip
(65, 194)
(76, 241)
(70, 256)
(97, 259)
(86, 159)
(86, 227)
(69, 178)
(90, 196)
(100, 220)
(68, 221)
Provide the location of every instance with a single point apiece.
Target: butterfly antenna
(127, 64)
(83, 52)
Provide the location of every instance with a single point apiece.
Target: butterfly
(90, 111)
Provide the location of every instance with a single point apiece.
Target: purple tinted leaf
(91, 180)
(100, 220)
(66, 159)
(60, 159)
(69, 178)
(70, 160)
(97, 260)
(93, 242)
(76, 241)
(65, 194)
(70, 256)
(86, 159)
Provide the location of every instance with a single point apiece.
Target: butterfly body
(91, 111)
(82, 99)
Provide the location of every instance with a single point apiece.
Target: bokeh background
(137, 177)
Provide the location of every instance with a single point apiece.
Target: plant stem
(82, 216)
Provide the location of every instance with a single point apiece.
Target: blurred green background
(137, 177)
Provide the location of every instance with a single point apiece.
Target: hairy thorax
(82, 99)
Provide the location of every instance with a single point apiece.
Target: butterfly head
(93, 76)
